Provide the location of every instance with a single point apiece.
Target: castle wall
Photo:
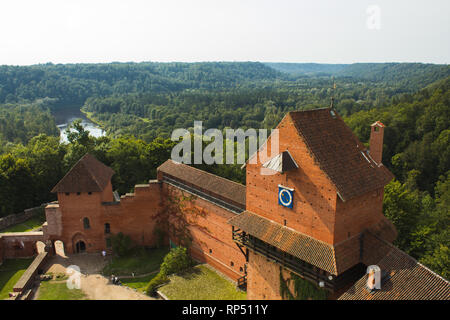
(211, 234)
(315, 197)
(357, 214)
(263, 280)
(20, 244)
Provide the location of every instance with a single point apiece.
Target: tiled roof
(339, 153)
(406, 279)
(334, 259)
(215, 185)
(306, 248)
(87, 175)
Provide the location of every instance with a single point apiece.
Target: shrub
(176, 261)
(157, 281)
(121, 244)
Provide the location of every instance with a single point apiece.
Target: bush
(157, 281)
(176, 261)
(121, 244)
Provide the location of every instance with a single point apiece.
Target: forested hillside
(73, 83)
(139, 104)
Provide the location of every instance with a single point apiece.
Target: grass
(139, 261)
(10, 272)
(201, 283)
(138, 283)
(50, 290)
(25, 226)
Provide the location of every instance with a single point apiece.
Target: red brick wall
(354, 215)
(263, 280)
(211, 235)
(20, 244)
(133, 216)
(314, 196)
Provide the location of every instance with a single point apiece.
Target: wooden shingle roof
(215, 185)
(339, 153)
(405, 278)
(87, 175)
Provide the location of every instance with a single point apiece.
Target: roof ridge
(203, 171)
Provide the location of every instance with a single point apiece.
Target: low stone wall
(29, 275)
(17, 218)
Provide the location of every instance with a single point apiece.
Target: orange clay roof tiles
(87, 175)
(222, 187)
(339, 153)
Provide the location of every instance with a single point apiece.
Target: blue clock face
(285, 197)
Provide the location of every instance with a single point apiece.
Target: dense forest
(139, 104)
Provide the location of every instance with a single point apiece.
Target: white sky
(323, 31)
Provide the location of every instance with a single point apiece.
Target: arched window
(86, 223)
(107, 228)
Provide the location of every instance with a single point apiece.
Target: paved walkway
(93, 284)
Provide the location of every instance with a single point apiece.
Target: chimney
(376, 141)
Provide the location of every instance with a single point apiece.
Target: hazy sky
(324, 31)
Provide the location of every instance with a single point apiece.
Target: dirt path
(96, 287)
(93, 284)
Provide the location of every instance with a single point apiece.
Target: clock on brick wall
(285, 196)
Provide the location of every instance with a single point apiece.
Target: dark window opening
(232, 263)
(78, 193)
(89, 193)
(107, 228)
(86, 223)
(67, 193)
(210, 250)
(285, 222)
(240, 269)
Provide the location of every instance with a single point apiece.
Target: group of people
(115, 280)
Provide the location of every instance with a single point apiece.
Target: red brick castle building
(313, 211)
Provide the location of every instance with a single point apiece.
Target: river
(66, 116)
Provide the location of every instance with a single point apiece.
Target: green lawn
(10, 272)
(138, 261)
(26, 226)
(138, 283)
(51, 290)
(201, 283)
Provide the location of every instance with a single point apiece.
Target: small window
(375, 128)
(86, 223)
(210, 250)
(285, 222)
(67, 193)
(78, 193)
(232, 263)
(89, 193)
(107, 228)
(240, 269)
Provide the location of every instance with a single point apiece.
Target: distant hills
(386, 72)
